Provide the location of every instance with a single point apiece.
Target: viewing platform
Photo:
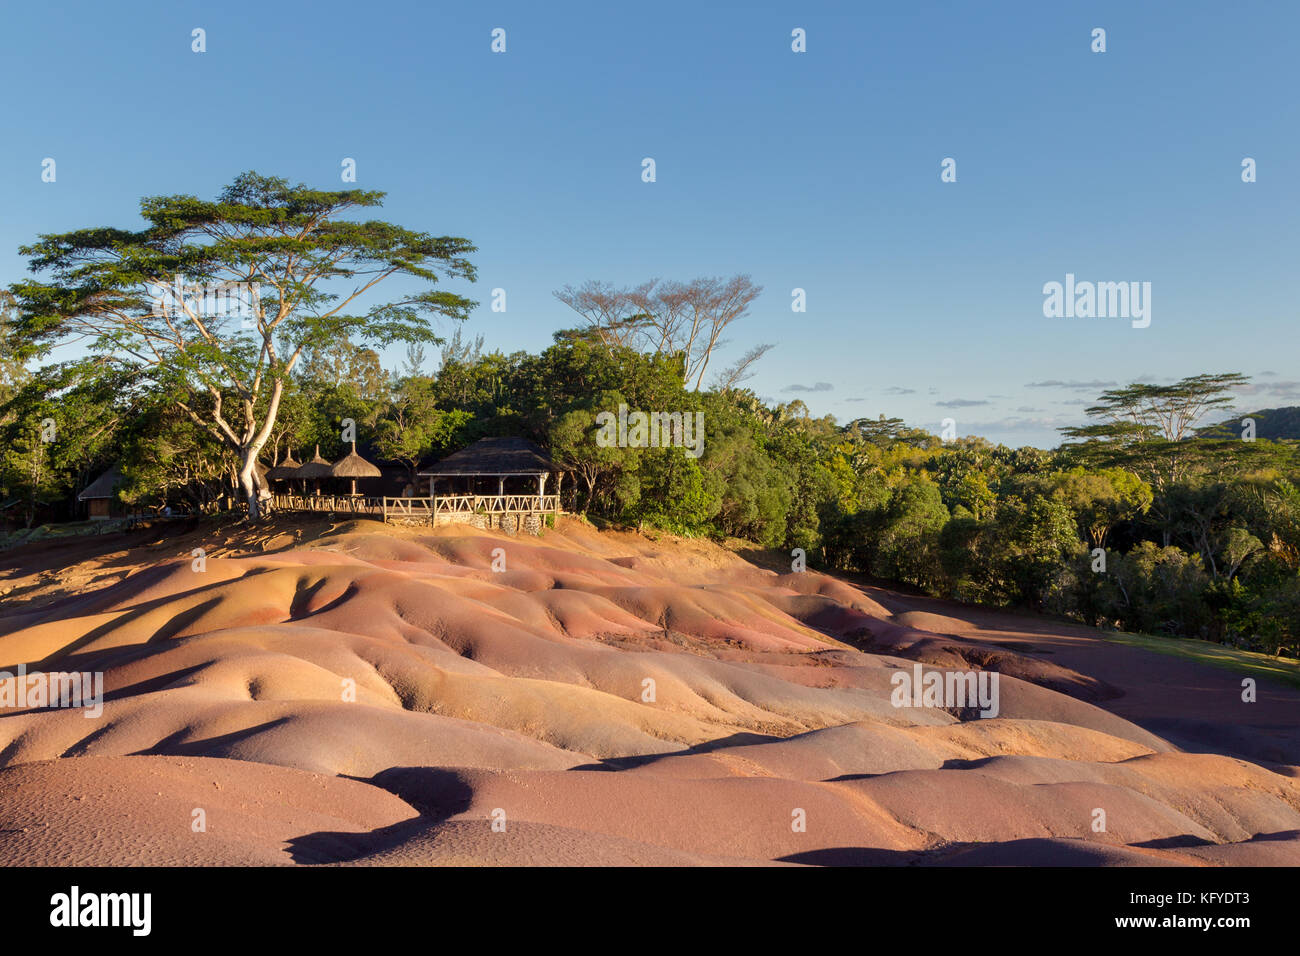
(511, 513)
(499, 462)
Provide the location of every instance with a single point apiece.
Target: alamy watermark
(946, 689)
(683, 430)
(75, 908)
(214, 300)
(1098, 300)
(57, 689)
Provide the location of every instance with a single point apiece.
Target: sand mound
(935, 623)
(374, 695)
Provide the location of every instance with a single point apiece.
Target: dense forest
(1142, 520)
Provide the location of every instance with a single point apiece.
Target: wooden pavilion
(488, 458)
(515, 504)
(494, 483)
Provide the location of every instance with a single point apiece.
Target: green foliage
(300, 268)
(1156, 590)
(671, 493)
(1099, 499)
(909, 533)
(57, 431)
(574, 446)
(414, 427)
(1038, 542)
(754, 495)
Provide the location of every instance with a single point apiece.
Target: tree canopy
(213, 303)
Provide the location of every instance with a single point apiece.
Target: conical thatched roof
(286, 469)
(353, 465)
(318, 467)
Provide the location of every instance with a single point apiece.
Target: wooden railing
(421, 510)
(426, 509)
(497, 504)
(411, 509)
(346, 504)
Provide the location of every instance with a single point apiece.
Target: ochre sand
(519, 694)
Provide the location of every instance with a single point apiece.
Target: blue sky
(818, 170)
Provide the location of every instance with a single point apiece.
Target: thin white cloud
(1059, 383)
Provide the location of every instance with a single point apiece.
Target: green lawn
(1283, 669)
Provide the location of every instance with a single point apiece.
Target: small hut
(353, 466)
(498, 458)
(100, 494)
(315, 470)
(286, 470)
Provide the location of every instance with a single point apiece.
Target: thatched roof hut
(494, 456)
(500, 458)
(354, 466)
(286, 469)
(315, 469)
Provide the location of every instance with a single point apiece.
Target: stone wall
(510, 523)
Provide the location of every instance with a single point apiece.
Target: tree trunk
(251, 482)
(246, 483)
(38, 459)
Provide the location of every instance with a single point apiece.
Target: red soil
(518, 696)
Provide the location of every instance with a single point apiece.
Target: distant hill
(1271, 423)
